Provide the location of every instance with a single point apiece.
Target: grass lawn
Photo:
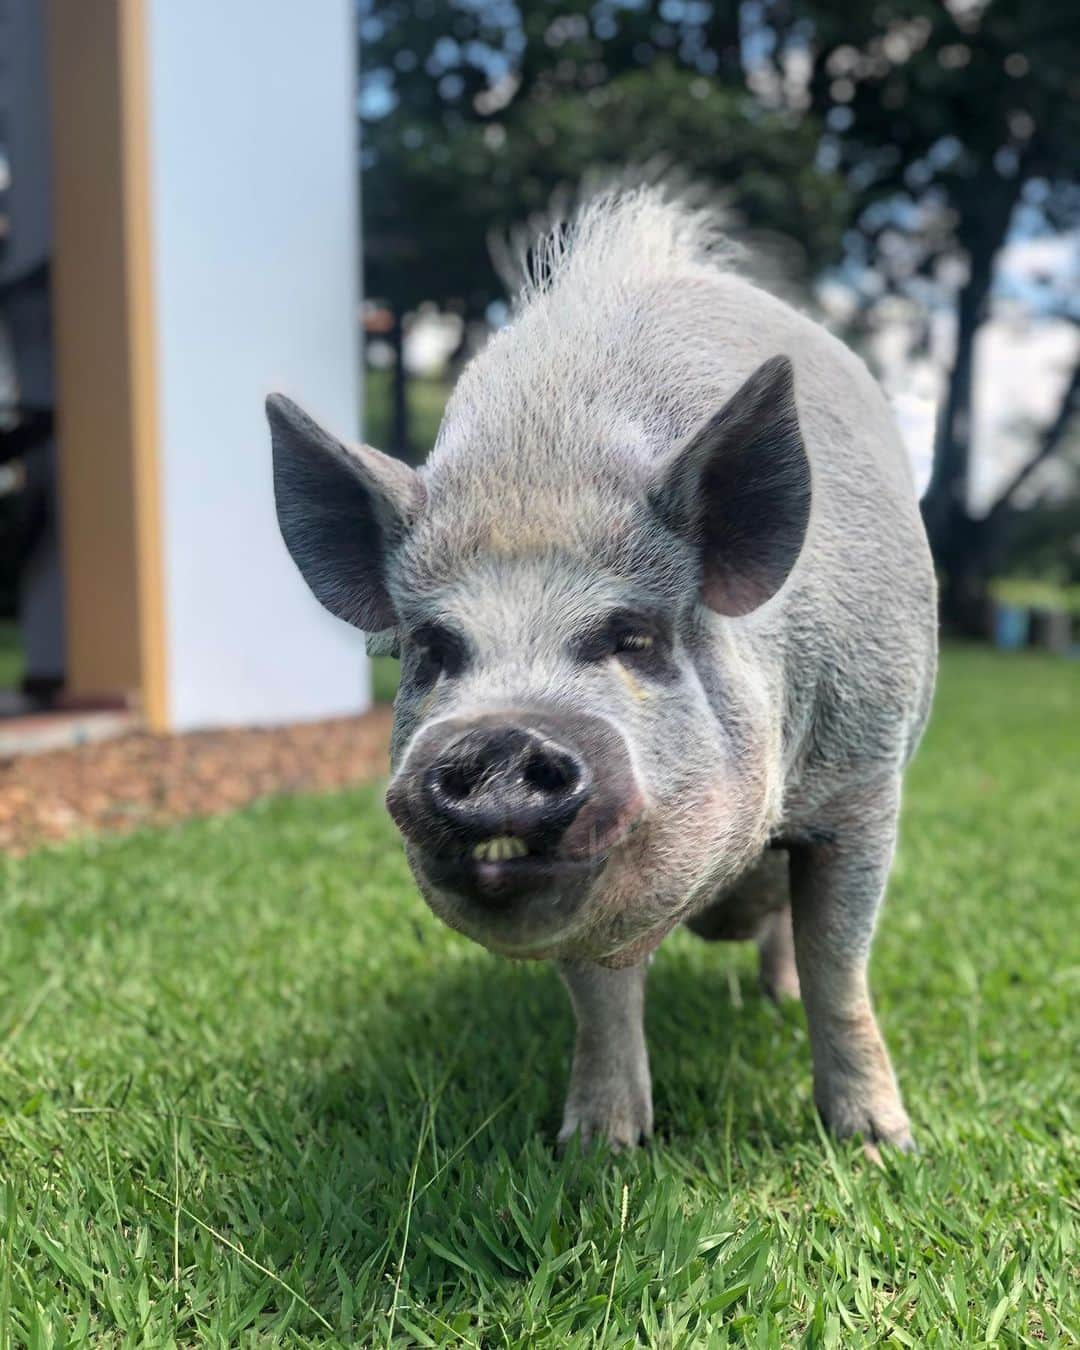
(10, 654)
(384, 678)
(253, 1094)
(427, 398)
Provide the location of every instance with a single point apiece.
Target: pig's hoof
(623, 1122)
(885, 1125)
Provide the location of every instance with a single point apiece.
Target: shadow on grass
(450, 1094)
(423, 1180)
(491, 1023)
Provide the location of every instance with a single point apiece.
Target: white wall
(255, 237)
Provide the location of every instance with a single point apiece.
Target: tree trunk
(954, 537)
(965, 594)
(985, 214)
(945, 503)
(399, 411)
(977, 548)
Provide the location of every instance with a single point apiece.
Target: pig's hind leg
(777, 968)
(610, 1094)
(757, 907)
(837, 886)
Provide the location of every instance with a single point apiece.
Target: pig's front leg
(837, 888)
(610, 1094)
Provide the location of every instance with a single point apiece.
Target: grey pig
(667, 624)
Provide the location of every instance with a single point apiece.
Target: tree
(475, 114)
(947, 118)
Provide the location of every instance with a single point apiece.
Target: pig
(666, 618)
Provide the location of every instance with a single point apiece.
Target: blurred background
(198, 205)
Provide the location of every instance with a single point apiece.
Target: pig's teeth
(500, 848)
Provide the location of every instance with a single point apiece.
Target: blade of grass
(421, 1139)
(615, 1264)
(257, 1265)
(21, 1023)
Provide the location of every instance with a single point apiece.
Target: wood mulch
(143, 779)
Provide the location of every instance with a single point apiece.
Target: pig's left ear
(341, 511)
(739, 488)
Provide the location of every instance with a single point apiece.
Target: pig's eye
(634, 642)
(438, 652)
(629, 637)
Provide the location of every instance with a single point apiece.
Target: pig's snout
(506, 783)
(512, 815)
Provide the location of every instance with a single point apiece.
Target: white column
(255, 242)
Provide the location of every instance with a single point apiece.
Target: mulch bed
(144, 779)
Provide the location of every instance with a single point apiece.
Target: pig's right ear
(739, 490)
(341, 510)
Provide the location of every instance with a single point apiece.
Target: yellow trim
(104, 338)
(134, 58)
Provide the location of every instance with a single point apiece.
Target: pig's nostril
(457, 781)
(551, 771)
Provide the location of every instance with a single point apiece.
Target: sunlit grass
(253, 1093)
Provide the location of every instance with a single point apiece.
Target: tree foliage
(901, 139)
(954, 124)
(475, 114)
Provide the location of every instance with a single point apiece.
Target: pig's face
(562, 779)
(537, 755)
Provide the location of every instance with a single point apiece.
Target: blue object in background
(1011, 624)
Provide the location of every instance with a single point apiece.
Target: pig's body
(847, 647)
(780, 699)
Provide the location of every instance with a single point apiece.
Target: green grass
(10, 654)
(427, 398)
(384, 678)
(253, 1094)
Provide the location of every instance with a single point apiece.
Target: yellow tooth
(500, 848)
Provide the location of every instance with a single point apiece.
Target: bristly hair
(552, 427)
(598, 350)
(620, 227)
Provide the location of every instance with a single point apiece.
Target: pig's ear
(341, 510)
(739, 488)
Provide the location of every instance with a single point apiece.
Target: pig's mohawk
(614, 231)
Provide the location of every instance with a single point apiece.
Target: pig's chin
(525, 908)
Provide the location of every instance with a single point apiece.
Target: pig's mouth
(503, 870)
(514, 902)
